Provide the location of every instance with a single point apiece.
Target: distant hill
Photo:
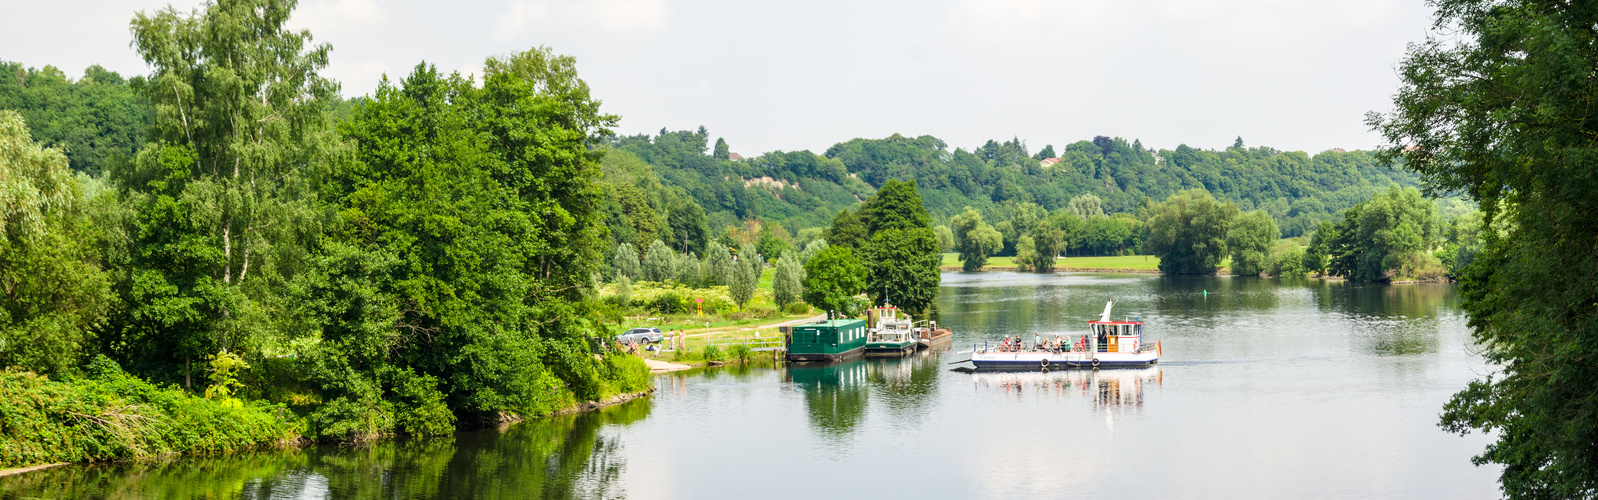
(801, 189)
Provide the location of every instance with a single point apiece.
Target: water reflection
(557, 457)
(835, 395)
(1107, 391)
(908, 386)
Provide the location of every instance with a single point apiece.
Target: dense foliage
(110, 415)
(98, 120)
(1497, 105)
(1387, 237)
(1188, 232)
(54, 293)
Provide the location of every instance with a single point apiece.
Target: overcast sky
(1294, 75)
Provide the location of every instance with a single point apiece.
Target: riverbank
(1100, 264)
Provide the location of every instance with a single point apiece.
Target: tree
(811, 250)
(722, 152)
(660, 264)
(688, 229)
(832, 279)
(625, 262)
(902, 268)
(718, 265)
(946, 238)
(847, 230)
(1188, 232)
(745, 275)
(787, 284)
(1387, 236)
(1047, 241)
(974, 239)
(223, 212)
(1497, 106)
(772, 242)
(1086, 206)
(1316, 254)
(897, 205)
(687, 270)
(55, 293)
(460, 266)
(98, 120)
(1045, 153)
(1249, 238)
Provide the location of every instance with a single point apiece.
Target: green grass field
(1141, 263)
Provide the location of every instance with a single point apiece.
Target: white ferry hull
(1033, 360)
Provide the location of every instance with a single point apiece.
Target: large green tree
(472, 229)
(53, 293)
(223, 213)
(832, 278)
(974, 239)
(902, 255)
(1386, 237)
(1498, 105)
(1188, 232)
(1249, 239)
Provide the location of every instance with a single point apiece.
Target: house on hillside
(1049, 162)
(734, 156)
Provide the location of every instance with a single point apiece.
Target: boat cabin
(1116, 336)
(829, 340)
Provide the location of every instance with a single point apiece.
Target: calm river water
(1267, 390)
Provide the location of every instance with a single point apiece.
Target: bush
(668, 303)
(713, 353)
(741, 353)
(115, 416)
(796, 308)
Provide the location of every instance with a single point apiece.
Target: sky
(1294, 75)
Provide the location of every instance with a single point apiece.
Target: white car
(650, 335)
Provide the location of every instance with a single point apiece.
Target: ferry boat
(893, 336)
(1107, 344)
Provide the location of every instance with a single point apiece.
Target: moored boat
(830, 340)
(1107, 344)
(894, 334)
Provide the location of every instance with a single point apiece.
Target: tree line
(399, 264)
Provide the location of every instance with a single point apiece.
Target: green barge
(831, 340)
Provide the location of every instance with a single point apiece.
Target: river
(1267, 390)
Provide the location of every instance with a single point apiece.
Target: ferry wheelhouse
(1108, 343)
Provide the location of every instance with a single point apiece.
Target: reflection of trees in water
(835, 395)
(907, 385)
(557, 457)
(1391, 319)
(1211, 296)
(230, 476)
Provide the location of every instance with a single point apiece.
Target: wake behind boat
(1107, 344)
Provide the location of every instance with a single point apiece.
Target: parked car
(649, 335)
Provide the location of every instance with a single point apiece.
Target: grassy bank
(1117, 263)
(111, 415)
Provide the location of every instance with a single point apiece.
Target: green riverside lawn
(1126, 263)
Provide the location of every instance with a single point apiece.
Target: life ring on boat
(1045, 363)
(1095, 362)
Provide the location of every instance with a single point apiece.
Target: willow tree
(223, 208)
(1497, 105)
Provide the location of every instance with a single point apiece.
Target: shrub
(797, 308)
(115, 416)
(713, 353)
(741, 353)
